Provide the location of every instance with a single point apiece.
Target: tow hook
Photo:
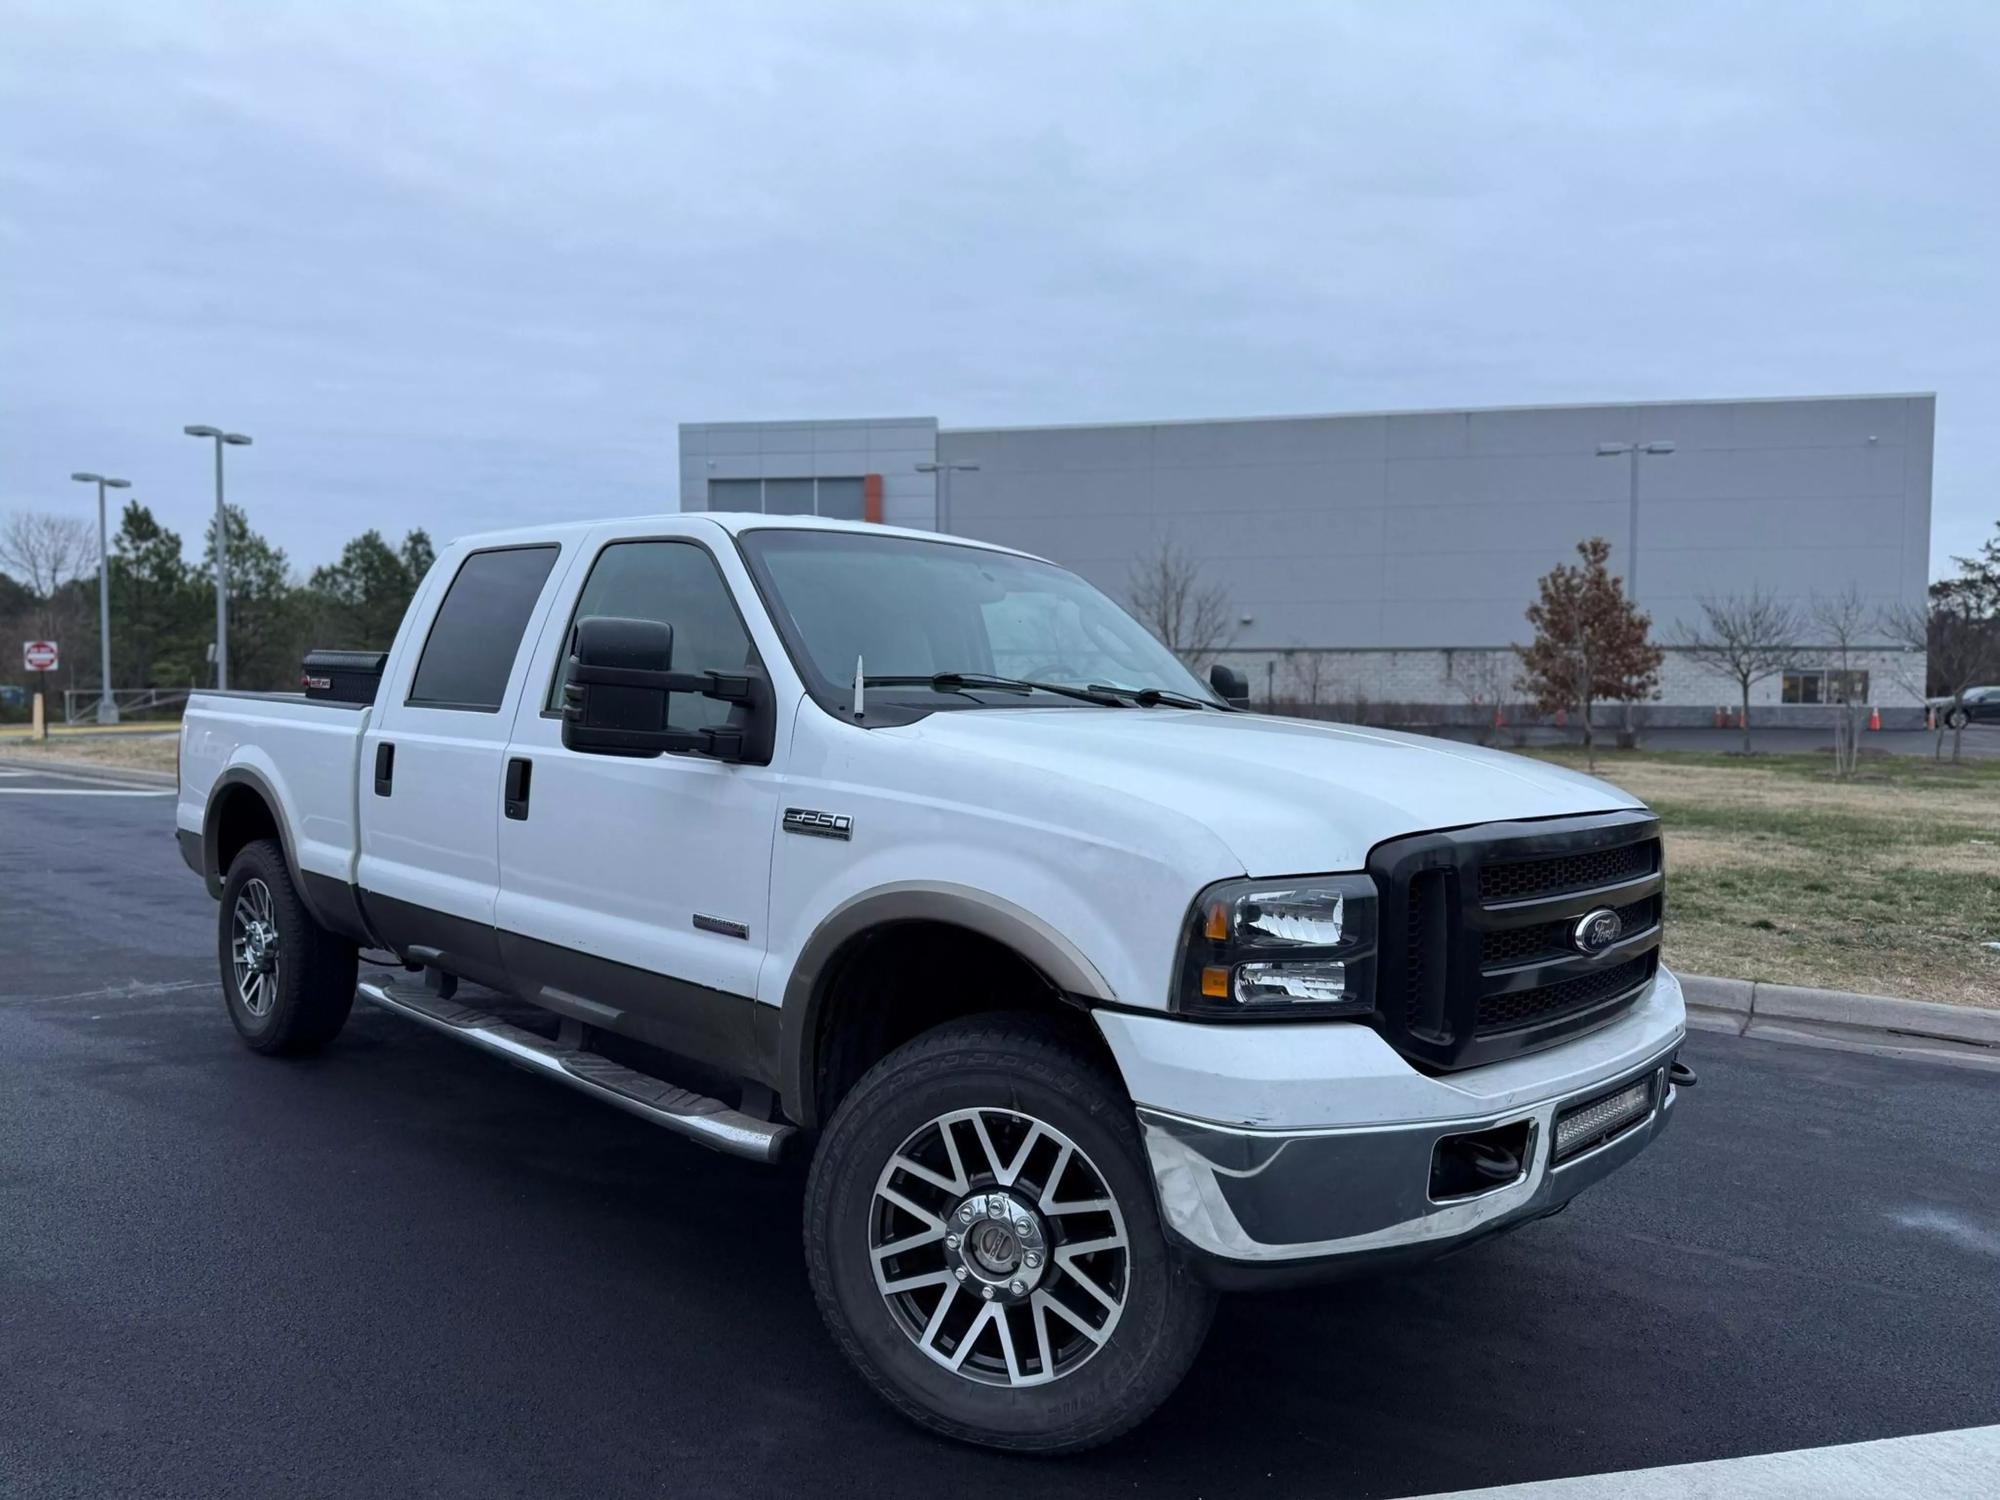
(1681, 1076)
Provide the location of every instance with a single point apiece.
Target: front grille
(1513, 945)
(1521, 1007)
(1488, 966)
(1519, 880)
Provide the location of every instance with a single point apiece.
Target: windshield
(909, 608)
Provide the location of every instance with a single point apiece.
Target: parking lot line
(1929, 1466)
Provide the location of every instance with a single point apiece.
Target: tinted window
(478, 629)
(674, 582)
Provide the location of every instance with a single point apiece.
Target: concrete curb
(1752, 1007)
(94, 770)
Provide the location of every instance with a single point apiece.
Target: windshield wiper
(958, 682)
(1153, 697)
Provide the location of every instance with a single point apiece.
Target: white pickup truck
(1090, 991)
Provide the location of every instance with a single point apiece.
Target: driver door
(634, 893)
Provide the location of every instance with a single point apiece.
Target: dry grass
(146, 752)
(1888, 883)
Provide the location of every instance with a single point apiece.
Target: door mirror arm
(618, 685)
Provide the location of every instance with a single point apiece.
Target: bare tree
(1843, 621)
(1306, 678)
(1962, 650)
(44, 552)
(1482, 679)
(1191, 618)
(1744, 637)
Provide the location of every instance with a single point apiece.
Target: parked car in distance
(1089, 992)
(1979, 705)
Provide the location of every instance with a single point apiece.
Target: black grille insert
(1522, 880)
(1565, 997)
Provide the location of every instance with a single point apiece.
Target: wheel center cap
(998, 1244)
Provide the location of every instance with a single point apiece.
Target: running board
(696, 1116)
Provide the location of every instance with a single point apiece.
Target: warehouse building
(1381, 563)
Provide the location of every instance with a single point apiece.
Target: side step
(696, 1116)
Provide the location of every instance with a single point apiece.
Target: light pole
(944, 471)
(236, 440)
(107, 707)
(1616, 450)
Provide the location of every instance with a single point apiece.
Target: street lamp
(946, 470)
(107, 709)
(235, 440)
(1619, 450)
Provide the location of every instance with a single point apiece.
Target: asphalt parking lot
(404, 1268)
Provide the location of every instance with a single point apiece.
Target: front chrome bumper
(1259, 1199)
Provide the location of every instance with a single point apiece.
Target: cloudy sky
(467, 264)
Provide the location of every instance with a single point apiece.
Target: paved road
(404, 1268)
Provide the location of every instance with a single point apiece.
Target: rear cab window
(469, 654)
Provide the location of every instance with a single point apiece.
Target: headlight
(1280, 949)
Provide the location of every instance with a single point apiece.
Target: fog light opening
(1464, 1166)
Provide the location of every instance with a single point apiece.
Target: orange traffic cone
(1499, 719)
(1874, 717)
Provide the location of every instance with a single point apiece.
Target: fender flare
(329, 902)
(1054, 955)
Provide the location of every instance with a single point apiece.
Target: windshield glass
(913, 608)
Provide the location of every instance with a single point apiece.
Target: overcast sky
(467, 264)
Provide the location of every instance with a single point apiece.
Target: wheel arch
(244, 805)
(1061, 965)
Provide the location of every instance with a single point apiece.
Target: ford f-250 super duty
(1090, 991)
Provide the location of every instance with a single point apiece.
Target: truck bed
(306, 753)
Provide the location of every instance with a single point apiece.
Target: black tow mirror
(1231, 684)
(619, 685)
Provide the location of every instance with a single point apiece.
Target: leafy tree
(1744, 637)
(1590, 642)
(360, 599)
(265, 618)
(158, 637)
(1975, 593)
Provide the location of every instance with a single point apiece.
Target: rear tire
(1021, 1316)
(288, 982)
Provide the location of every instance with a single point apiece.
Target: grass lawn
(1888, 883)
(143, 751)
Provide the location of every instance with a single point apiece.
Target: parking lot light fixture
(107, 707)
(944, 471)
(1657, 448)
(233, 440)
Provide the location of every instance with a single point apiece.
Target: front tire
(287, 981)
(1957, 719)
(984, 1244)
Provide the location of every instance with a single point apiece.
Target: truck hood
(1286, 796)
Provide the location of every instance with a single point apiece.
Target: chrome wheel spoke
(1055, 1305)
(984, 1316)
(923, 1173)
(911, 1283)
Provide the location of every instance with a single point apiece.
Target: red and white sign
(40, 656)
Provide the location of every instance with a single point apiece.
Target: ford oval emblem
(1597, 930)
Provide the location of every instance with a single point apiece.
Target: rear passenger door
(641, 887)
(431, 763)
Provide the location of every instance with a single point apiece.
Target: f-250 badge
(821, 825)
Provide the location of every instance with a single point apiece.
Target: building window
(840, 499)
(1825, 685)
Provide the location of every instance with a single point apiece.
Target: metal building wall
(1429, 529)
